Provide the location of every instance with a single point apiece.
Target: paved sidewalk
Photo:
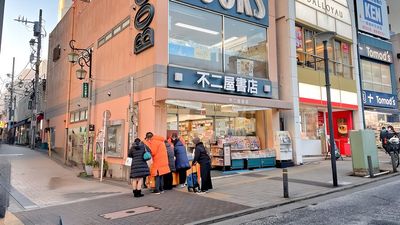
(38, 181)
(53, 191)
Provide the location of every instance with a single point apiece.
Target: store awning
(22, 122)
(382, 110)
(184, 95)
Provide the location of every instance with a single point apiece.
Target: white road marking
(10, 155)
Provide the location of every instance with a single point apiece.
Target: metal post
(285, 183)
(329, 104)
(10, 116)
(104, 145)
(370, 167)
(86, 154)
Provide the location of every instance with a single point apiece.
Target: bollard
(285, 183)
(393, 162)
(370, 167)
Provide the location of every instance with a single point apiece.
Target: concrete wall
(394, 16)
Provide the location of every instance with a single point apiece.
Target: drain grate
(130, 212)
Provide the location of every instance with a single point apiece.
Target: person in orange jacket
(160, 159)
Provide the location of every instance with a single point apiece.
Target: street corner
(10, 219)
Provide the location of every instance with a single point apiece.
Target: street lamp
(325, 37)
(84, 58)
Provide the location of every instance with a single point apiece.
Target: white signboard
(331, 8)
(373, 17)
(227, 155)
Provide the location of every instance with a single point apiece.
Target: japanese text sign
(218, 82)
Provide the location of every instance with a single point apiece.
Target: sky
(16, 35)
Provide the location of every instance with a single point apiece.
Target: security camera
(109, 93)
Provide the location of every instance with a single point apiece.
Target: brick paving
(176, 208)
(58, 192)
(39, 182)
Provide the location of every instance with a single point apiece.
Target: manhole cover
(130, 212)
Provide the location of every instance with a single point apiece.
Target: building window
(310, 54)
(245, 48)
(113, 32)
(376, 76)
(309, 123)
(193, 40)
(78, 116)
(223, 45)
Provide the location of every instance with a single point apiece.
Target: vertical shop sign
(145, 38)
(85, 89)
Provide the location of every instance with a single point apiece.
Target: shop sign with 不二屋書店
(255, 11)
(377, 99)
(218, 83)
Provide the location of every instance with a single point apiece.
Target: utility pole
(10, 107)
(37, 32)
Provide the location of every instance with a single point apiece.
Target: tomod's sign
(375, 53)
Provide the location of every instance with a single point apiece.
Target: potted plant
(89, 165)
(96, 169)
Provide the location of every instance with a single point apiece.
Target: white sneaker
(201, 193)
(183, 185)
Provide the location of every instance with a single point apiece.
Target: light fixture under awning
(186, 104)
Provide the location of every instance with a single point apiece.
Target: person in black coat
(139, 168)
(201, 156)
(168, 178)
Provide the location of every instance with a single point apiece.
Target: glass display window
(310, 53)
(376, 76)
(309, 123)
(223, 45)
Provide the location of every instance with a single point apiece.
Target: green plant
(96, 164)
(90, 161)
(105, 165)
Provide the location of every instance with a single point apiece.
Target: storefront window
(193, 40)
(245, 49)
(376, 76)
(114, 140)
(309, 123)
(203, 40)
(311, 53)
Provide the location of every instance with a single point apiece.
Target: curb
(282, 203)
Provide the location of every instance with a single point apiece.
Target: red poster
(320, 119)
(345, 48)
(299, 37)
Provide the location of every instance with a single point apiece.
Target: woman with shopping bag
(201, 157)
